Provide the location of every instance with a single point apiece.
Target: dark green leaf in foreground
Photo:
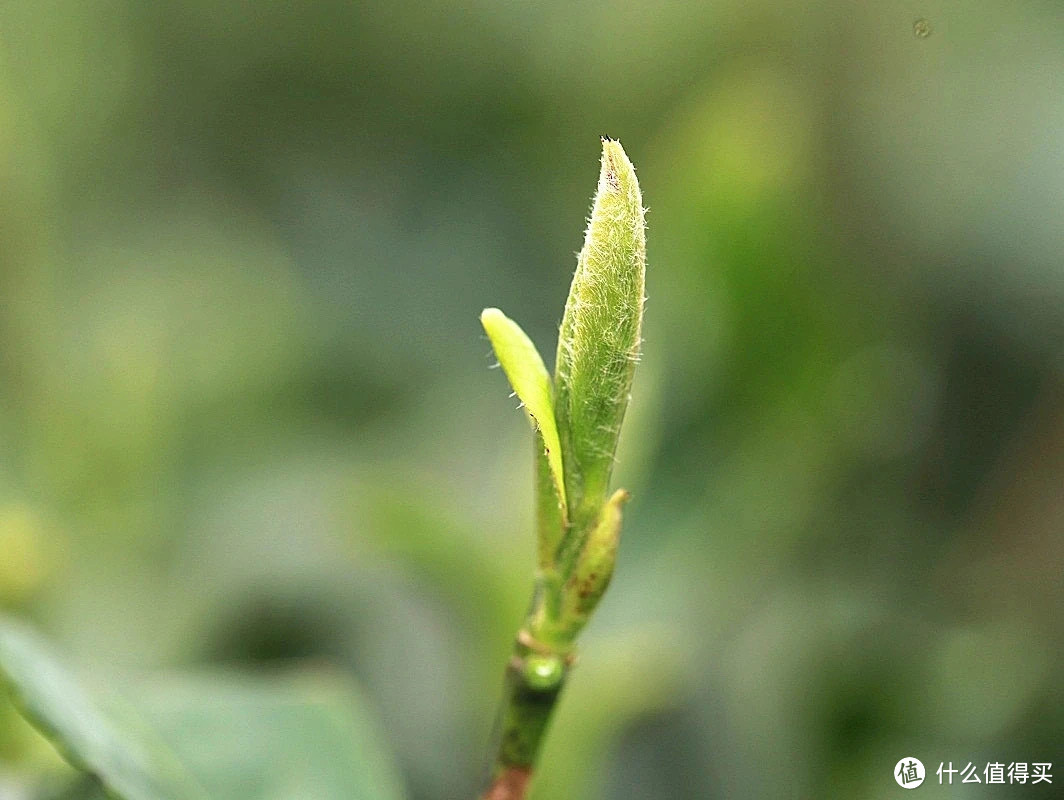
(94, 736)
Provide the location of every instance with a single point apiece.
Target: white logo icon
(909, 772)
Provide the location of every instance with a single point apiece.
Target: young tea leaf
(530, 380)
(599, 341)
(598, 346)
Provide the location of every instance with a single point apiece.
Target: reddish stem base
(510, 784)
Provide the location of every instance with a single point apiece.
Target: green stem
(535, 676)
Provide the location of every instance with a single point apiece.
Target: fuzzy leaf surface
(599, 341)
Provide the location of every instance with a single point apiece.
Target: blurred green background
(247, 417)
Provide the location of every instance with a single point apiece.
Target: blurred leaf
(233, 737)
(273, 738)
(85, 788)
(106, 743)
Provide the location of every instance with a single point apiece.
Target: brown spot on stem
(510, 784)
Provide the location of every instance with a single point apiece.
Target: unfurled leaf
(531, 383)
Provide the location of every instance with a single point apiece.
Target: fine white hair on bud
(598, 345)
